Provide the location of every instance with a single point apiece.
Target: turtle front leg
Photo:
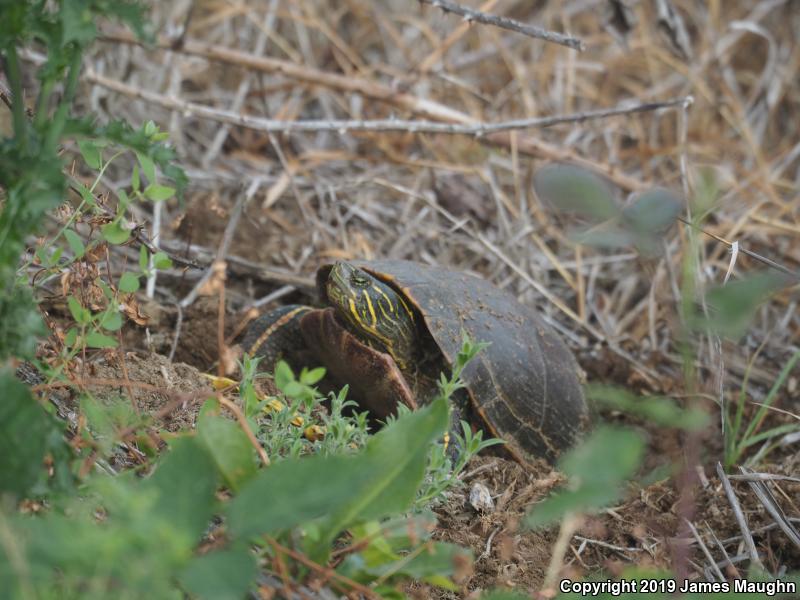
(276, 336)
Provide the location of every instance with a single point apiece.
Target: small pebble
(480, 498)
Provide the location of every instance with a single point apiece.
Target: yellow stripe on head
(368, 302)
(354, 293)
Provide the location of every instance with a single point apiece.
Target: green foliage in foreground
(130, 536)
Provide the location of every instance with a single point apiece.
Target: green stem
(42, 102)
(60, 116)
(14, 76)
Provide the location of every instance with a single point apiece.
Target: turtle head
(374, 311)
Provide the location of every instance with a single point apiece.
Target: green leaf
(608, 455)
(77, 24)
(586, 498)
(229, 447)
(103, 418)
(91, 154)
(115, 233)
(598, 467)
(85, 193)
(95, 339)
(733, 305)
(162, 261)
(293, 389)
(186, 480)
(283, 375)
(380, 480)
(24, 427)
(143, 258)
(605, 235)
(313, 376)
(656, 409)
(75, 243)
(435, 563)
(394, 461)
(111, 321)
(158, 193)
(129, 282)
(653, 212)
(123, 201)
(574, 189)
(107, 291)
(20, 322)
(150, 128)
(81, 315)
(222, 575)
(135, 180)
(71, 337)
(148, 166)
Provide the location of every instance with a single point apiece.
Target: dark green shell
(526, 385)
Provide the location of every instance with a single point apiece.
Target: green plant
(597, 469)
(296, 422)
(443, 472)
(600, 467)
(134, 536)
(740, 435)
(641, 223)
(31, 165)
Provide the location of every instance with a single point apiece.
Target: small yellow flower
(314, 433)
(220, 383)
(446, 441)
(274, 405)
(297, 420)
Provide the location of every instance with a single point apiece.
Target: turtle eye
(358, 280)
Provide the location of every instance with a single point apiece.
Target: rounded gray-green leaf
(652, 212)
(573, 189)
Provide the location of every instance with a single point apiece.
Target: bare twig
(750, 476)
(602, 544)
(383, 93)
(177, 334)
(488, 549)
(190, 109)
(244, 85)
(727, 560)
(739, 515)
(705, 550)
(244, 267)
(767, 499)
(759, 530)
(754, 255)
(533, 31)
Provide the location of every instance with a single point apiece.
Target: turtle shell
(525, 385)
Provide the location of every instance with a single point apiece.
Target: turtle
(387, 328)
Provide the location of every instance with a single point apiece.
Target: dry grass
(458, 200)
